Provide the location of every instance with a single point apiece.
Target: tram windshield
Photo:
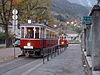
(63, 38)
(32, 32)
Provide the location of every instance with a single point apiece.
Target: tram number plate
(28, 47)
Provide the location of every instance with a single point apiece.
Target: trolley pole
(14, 23)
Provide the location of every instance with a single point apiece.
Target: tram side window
(47, 33)
(42, 33)
(22, 32)
(37, 32)
(53, 35)
(56, 36)
(50, 34)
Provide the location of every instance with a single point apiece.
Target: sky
(89, 3)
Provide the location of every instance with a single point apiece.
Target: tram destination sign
(87, 20)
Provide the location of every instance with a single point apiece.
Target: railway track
(19, 66)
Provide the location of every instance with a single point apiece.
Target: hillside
(67, 9)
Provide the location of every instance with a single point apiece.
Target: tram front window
(30, 33)
(62, 38)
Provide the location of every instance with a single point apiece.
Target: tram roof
(32, 24)
(37, 24)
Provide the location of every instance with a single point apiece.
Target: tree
(2, 36)
(37, 10)
(6, 7)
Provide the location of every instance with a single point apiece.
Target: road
(8, 53)
(67, 63)
(2, 45)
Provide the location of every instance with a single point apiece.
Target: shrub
(2, 36)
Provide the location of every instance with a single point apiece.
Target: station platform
(67, 63)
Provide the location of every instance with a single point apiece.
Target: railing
(51, 52)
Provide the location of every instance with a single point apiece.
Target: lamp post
(15, 23)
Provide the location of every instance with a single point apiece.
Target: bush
(2, 36)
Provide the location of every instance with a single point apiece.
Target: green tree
(28, 9)
(6, 7)
(37, 10)
(2, 36)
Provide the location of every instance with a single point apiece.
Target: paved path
(67, 63)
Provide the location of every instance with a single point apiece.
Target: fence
(51, 52)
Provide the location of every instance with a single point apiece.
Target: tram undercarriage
(32, 52)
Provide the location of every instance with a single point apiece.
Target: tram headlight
(28, 44)
(62, 42)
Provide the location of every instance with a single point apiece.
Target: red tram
(62, 40)
(34, 37)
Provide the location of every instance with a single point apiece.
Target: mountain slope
(64, 6)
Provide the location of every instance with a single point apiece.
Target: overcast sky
(84, 2)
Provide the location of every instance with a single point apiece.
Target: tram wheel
(23, 53)
(27, 54)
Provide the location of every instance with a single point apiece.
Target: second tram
(63, 40)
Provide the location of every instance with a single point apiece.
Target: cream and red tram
(34, 37)
(63, 40)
